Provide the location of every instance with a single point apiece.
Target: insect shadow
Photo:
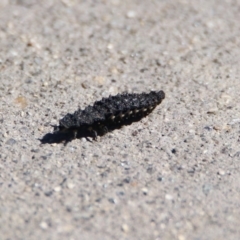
(63, 137)
(55, 138)
(67, 136)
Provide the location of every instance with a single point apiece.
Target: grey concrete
(173, 175)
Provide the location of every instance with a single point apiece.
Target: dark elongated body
(110, 113)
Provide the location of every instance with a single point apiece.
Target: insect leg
(93, 133)
(75, 134)
(104, 129)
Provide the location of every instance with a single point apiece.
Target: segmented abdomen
(118, 107)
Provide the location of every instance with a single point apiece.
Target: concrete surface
(173, 175)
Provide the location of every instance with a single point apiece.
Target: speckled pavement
(172, 175)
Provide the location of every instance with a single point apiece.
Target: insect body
(109, 114)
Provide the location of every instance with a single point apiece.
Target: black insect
(109, 114)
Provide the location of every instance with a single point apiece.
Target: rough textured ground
(173, 175)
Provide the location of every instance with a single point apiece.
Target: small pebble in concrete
(43, 225)
(11, 141)
(168, 197)
(125, 228)
(131, 14)
(221, 172)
